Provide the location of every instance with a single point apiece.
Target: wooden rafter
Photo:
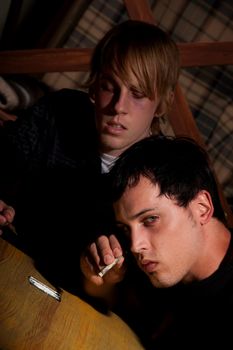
(78, 59)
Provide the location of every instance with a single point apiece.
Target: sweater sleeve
(19, 139)
(50, 134)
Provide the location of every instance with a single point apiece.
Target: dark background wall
(27, 24)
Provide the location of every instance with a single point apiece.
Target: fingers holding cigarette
(103, 261)
(110, 252)
(110, 266)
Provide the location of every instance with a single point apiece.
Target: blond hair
(142, 50)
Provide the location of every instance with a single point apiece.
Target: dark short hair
(178, 165)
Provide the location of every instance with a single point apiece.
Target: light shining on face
(165, 238)
(123, 114)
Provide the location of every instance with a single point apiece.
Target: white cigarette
(44, 288)
(108, 267)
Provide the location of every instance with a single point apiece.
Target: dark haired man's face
(166, 239)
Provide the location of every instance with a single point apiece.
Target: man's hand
(7, 214)
(5, 116)
(100, 253)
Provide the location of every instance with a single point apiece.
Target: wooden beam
(44, 60)
(139, 10)
(73, 60)
(181, 118)
(197, 54)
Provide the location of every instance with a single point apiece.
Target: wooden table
(31, 319)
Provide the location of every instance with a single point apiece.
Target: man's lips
(114, 128)
(148, 266)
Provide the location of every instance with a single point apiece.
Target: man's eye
(151, 220)
(137, 94)
(106, 87)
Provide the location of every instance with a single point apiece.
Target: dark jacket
(51, 174)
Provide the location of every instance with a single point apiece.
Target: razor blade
(41, 286)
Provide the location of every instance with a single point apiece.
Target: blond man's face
(123, 114)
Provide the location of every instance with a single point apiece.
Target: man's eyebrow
(135, 216)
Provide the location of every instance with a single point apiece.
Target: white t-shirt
(107, 162)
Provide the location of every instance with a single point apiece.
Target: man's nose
(138, 242)
(120, 104)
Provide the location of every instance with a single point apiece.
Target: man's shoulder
(70, 96)
(71, 106)
(69, 93)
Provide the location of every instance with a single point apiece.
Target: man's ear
(165, 104)
(203, 206)
(161, 109)
(91, 94)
